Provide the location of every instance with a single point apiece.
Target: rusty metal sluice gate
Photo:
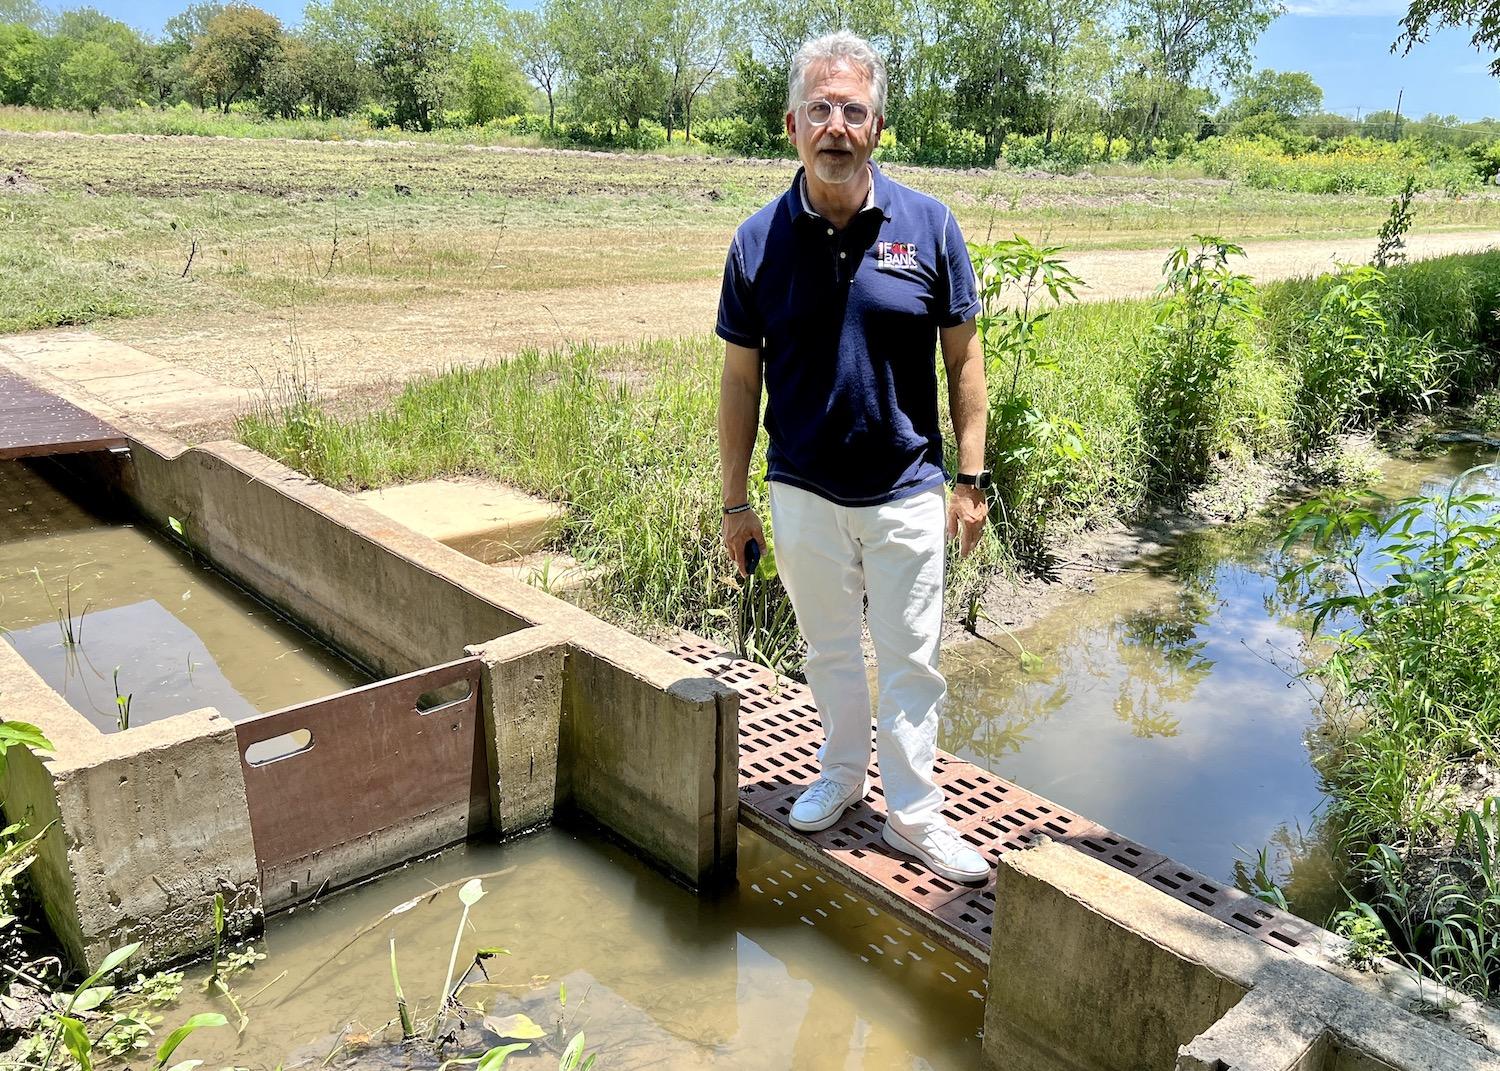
(779, 735)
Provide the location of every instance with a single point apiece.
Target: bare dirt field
(347, 346)
(364, 264)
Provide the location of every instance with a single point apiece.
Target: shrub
(1200, 335)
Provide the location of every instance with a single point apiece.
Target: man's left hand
(967, 512)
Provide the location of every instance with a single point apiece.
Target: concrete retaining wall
(1092, 969)
(143, 827)
(647, 747)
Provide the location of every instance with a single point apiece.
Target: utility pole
(1399, 94)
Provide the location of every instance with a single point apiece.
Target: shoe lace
(823, 792)
(946, 841)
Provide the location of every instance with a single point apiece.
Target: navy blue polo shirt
(846, 323)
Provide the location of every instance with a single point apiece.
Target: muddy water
(1165, 706)
(181, 636)
(787, 971)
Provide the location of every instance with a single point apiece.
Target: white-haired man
(835, 297)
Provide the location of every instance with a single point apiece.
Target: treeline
(1039, 82)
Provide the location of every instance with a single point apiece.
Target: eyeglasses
(856, 113)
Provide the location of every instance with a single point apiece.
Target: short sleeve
(739, 320)
(958, 271)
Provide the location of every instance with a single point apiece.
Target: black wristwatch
(978, 480)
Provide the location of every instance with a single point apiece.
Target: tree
(1186, 38)
(493, 85)
(1283, 94)
(1060, 25)
(699, 37)
(536, 38)
(229, 59)
(93, 76)
(1423, 17)
(615, 55)
(413, 57)
(22, 58)
(27, 13)
(287, 79)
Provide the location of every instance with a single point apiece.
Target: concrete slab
(133, 381)
(486, 520)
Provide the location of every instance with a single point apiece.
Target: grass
(625, 436)
(103, 227)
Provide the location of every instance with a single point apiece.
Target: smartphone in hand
(752, 556)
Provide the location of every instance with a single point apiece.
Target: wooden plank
(34, 423)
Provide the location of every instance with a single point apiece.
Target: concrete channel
(500, 706)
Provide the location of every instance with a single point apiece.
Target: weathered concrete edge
(1118, 952)
(114, 808)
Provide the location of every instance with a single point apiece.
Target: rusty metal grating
(779, 737)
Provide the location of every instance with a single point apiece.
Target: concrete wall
(143, 827)
(647, 748)
(1091, 968)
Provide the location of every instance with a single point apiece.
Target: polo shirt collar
(877, 198)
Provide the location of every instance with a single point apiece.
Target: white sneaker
(823, 804)
(943, 850)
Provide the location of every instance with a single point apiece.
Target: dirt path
(367, 345)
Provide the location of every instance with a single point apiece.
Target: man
(836, 294)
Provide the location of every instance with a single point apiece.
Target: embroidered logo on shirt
(901, 256)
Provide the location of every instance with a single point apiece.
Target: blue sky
(1343, 44)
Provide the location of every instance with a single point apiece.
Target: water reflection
(1167, 707)
(788, 971)
(83, 594)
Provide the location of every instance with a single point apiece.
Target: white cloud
(1346, 8)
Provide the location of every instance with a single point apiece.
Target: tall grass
(625, 438)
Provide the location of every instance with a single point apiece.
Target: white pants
(830, 557)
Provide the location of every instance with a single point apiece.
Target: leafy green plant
(1390, 244)
(469, 894)
(1366, 933)
(1032, 451)
(20, 734)
(122, 703)
(1203, 314)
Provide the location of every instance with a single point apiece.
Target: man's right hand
(739, 529)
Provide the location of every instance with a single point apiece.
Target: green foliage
(626, 438)
(1390, 244)
(229, 60)
(1203, 317)
(493, 86)
(1412, 594)
(1281, 94)
(1032, 452)
(1359, 363)
(413, 56)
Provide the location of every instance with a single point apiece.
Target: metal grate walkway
(778, 740)
(34, 423)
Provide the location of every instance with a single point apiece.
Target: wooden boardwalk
(778, 740)
(34, 423)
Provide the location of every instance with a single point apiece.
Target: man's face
(835, 152)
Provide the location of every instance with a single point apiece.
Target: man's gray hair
(829, 49)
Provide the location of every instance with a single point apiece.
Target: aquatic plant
(72, 630)
(122, 704)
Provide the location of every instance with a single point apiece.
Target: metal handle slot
(285, 746)
(437, 698)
